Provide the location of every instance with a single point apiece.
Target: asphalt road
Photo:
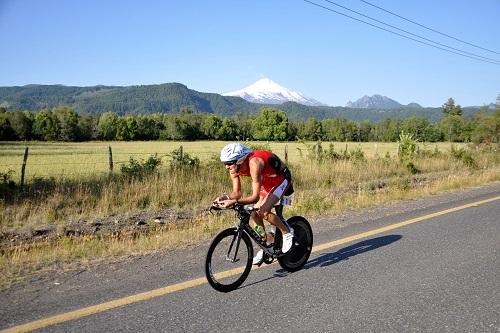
(441, 274)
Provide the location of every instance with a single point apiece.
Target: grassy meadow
(81, 192)
(69, 160)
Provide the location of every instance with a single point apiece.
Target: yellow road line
(72, 315)
(399, 225)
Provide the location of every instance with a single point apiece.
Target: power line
(433, 30)
(398, 34)
(412, 34)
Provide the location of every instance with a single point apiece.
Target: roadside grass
(329, 186)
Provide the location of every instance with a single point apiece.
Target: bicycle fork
(236, 237)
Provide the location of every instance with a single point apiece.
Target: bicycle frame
(244, 226)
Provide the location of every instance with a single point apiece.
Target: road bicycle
(233, 247)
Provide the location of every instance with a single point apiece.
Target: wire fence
(57, 167)
(71, 161)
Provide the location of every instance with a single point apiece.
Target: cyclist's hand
(227, 203)
(218, 203)
(219, 200)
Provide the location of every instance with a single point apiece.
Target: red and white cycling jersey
(272, 181)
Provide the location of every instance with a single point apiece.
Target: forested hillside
(171, 98)
(160, 98)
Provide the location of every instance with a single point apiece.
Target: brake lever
(213, 207)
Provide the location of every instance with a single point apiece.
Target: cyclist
(271, 179)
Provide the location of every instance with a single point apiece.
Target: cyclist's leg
(258, 259)
(270, 194)
(270, 200)
(265, 209)
(256, 217)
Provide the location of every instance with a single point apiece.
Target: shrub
(139, 169)
(407, 150)
(317, 153)
(407, 146)
(357, 154)
(258, 146)
(181, 160)
(435, 153)
(7, 185)
(464, 155)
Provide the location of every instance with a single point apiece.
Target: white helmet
(234, 152)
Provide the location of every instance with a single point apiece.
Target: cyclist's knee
(266, 215)
(256, 215)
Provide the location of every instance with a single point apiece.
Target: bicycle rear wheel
(303, 241)
(223, 265)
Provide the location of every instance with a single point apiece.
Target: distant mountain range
(379, 102)
(266, 91)
(174, 97)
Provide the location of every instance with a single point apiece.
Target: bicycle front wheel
(228, 261)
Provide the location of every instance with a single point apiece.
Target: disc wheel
(298, 255)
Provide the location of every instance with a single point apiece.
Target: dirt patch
(110, 225)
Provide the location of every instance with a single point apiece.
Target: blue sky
(220, 46)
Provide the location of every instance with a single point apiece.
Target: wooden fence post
(181, 153)
(317, 151)
(110, 161)
(23, 167)
(286, 153)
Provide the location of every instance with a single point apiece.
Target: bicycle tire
(299, 254)
(219, 281)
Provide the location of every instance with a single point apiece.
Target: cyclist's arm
(236, 192)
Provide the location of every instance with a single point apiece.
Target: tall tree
(67, 120)
(270, 124)
(416, 126)
(312, 130)
(486, 128)
(148, 127)
(6, 130)
(22, 123)
(452, 127)
(86, 127)
(107, 126)
(228, 129)
(45, 126)
(450, 109)
(211, 127)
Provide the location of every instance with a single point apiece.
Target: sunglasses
(230, 163)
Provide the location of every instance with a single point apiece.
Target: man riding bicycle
(271, 179)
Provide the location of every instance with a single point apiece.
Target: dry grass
(327, 187)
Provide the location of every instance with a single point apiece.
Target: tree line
(269, 124)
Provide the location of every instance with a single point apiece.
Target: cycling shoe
(259, 258)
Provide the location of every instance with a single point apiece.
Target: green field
(74, 160)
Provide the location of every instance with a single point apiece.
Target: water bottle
(261, 232)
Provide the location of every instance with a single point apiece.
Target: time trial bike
(230, 255)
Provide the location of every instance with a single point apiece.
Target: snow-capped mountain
(266, 91)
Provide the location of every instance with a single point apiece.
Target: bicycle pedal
(268, 260)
